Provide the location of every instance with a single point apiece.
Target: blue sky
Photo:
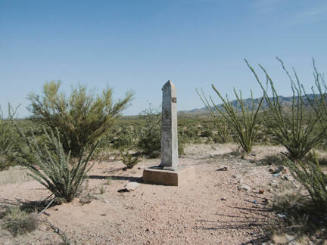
(137, 45)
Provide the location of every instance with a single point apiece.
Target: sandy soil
(211, 208)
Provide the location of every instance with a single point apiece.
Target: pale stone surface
(158, 176)
(131, 186)
(169, 136)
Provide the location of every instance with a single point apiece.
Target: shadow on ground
(244, 221)
(113, 177)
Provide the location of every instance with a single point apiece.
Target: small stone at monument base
(159, 176)
(131, 186)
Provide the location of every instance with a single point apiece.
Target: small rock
(289, 237)
(273, 183)
(222, 169)
(131, 186)
(244, 187)
(223, 199)
(282, 216)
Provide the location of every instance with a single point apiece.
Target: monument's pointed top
(168, 84)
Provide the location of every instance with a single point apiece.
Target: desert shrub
(8, 138)
(192, 129)
(52, 167)
(189, 133)
(206, 133)
(124, 137)
(298, 130)
(314, 180)
(241, 118)
(130, 159)
(149, 135)
(264, 133)
(223, 134)
(81, 118)
(181, 144)
(18, 222)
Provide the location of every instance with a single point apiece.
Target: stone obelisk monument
(167, 172)
(169, 136)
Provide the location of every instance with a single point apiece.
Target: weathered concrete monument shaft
(169, 135)
(168, 172)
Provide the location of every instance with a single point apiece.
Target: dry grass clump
(299, 217)
(16, 174)
(19, 222)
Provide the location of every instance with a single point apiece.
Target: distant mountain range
(284, 100)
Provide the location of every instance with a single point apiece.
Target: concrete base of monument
(161, 176)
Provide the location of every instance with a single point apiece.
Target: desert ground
(225, 200)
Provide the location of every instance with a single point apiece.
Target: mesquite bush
(82, 118)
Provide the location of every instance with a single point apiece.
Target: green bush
(128, 158)
(8, 137)
(298, 129)
(149, 135)
(223, 134)
(241, 118)
(188, 133)
(123, 137)
(81, 118)
(52, 167)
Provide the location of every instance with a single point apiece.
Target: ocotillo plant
(297, 130)
(52, 167)
(314, 180)
(241, 118)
